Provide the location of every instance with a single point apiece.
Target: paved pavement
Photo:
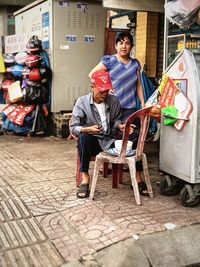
(42, 223)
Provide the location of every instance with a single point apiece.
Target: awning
(15, 3)
(136, 5)
(183, 13)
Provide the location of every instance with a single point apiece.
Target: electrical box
(72, 32)
(180, 150)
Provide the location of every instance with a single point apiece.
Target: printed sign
(171, 95)
(184, 107)
(82, 6)
(89, 38)
(16, 114)
(66, 47)
(15, 43)
(64, 3)
(167, 90)
(45, 19)
(71, 38)
(45, 30)
(36, 24)
(182, 85)
(179, 68)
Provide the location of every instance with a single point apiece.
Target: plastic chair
(118, 161)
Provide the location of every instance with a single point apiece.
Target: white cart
(180, 150)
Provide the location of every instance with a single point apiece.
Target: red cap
(101, 80)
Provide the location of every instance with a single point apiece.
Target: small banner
(171, 95)
(17, 113)
(167, 90)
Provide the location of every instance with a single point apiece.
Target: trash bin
(179, 155)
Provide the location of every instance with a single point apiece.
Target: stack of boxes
(61, 124)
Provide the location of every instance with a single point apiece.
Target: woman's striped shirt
(124, 79)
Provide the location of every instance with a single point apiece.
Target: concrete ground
(42, 223)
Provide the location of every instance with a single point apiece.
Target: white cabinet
(73, 33)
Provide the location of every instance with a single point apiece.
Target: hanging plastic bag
(35, 95)
(170, 113)
(15, 92)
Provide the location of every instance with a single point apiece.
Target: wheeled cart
(180, 149)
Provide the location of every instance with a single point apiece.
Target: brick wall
(146, 41)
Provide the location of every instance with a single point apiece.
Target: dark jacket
(86, 114)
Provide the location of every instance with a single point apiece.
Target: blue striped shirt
(124, 79)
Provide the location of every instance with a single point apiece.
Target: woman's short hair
(121, 35)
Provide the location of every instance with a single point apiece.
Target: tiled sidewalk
(42, 223)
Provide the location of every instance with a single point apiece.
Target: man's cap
(101, 80)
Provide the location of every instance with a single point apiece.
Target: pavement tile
(39, 210)
(42, 165)
(94, 225)
(23, 178)
(19, 233)
(46, 197)
(6, 192)
(39, 255)
(64, 236)
(60, 175)
(13, 209)
(2, 182)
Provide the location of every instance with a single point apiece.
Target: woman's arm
(140, 90)
(100, 66)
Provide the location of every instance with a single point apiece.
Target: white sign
(89, 38)
(64, 47)
(71, 38)
(82, 6)
(64, 3)
(15, 43)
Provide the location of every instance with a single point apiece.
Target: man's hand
(121, 127)
(92, 129)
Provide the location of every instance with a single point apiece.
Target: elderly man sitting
(95, 120)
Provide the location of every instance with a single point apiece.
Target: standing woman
(125, 74)
(125, 78)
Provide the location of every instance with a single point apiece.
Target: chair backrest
(144, 116)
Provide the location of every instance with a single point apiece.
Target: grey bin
(180, 150)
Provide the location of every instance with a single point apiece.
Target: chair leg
(132, 168)
(105, 169)
(120, 172)
(94, 178)
(115, 176)
(78, 174)
(146, 175)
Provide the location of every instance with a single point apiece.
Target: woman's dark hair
(120, 36)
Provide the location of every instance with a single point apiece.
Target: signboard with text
(171, 95)
(15, 43)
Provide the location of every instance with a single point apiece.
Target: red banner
(17, 113)
(168, 92)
